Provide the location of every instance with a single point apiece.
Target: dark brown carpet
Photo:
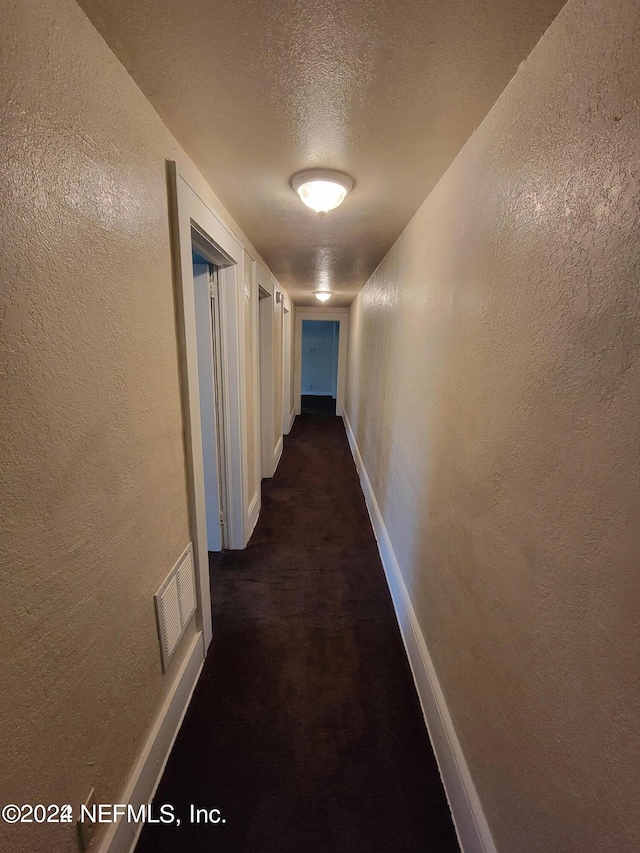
(305, 729)
(311, 404)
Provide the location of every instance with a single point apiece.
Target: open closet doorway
(319, 372)
(208, 340)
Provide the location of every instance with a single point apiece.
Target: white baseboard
(277, 453)
(121, 837)
(471, 826)
(253, 513)
(292, 418)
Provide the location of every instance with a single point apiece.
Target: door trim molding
(339, 315)
(266, 312)
(288, 328)
(255, 499)
(189, 210)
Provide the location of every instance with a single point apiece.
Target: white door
(205, 285)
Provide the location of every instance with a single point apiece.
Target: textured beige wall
(94, 509)
(494, 388)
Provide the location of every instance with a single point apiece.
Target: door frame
(208, 327)
(341, 316)
(189, 211)
(287, 355)
(266, 308)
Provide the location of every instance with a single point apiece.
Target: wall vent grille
(175, 605)
(186, 589)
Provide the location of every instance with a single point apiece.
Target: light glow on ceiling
(322, 295)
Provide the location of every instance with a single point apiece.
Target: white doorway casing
(273, 382)
(191, 212)
(288, 402)
(340, 315)
(265, 335)
(209, 403)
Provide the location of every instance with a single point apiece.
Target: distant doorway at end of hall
(319, 376)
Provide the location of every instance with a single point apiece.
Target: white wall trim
(290, 416)
(340, 315)
(254, 512)
(188, 209)
(287, 334)
(278, 453)
(266, 311)
(471, 826)
(255, 502)
(234, 374)
(278, 377)
(121, 837)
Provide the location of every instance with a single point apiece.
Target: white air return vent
(175, 605)
(186, 588)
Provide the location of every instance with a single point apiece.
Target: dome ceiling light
(323, 295)
(322, 189)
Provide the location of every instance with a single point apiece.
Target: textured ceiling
(388, 92)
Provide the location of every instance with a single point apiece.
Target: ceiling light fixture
(322, 295)
(322, 189)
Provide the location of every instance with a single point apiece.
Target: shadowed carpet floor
(305, 729)
(313, 405)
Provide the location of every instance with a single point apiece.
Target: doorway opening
(206, 283)
(319, 370)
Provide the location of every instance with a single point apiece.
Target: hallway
(305, 730)
(443, 515)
